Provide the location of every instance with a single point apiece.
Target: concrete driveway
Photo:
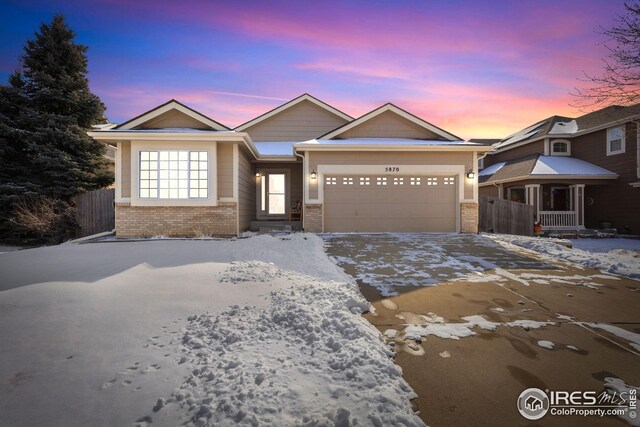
(540, 325)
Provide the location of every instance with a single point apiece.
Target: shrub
(44, 218)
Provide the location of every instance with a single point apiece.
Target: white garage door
(370, 203)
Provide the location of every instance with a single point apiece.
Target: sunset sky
(476, 68)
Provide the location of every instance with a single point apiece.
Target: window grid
(560, 147)
(615, 140)
(330, 181)
(448, 181)
(173, 175)
(432, 181)
(382, 181)
(415, 181)
(398, 181)
(347, 181)
(364, 181)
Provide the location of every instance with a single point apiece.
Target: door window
(276, 194)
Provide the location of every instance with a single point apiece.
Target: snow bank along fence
(504, 216)
(95, 211)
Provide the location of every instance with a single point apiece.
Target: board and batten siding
(246, 191)
(389, 125)
(392, 159)
(301, 122)
(225, 170)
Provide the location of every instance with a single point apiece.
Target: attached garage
(399, 203)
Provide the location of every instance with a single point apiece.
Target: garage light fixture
(314, 175)
(471, 175)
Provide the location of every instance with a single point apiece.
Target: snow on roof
(556, 165)
(385, 141)
(275, 148)
(564, 127)
(491, 169)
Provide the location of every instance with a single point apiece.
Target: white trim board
(172, 105)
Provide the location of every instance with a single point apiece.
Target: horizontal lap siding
(389, 125)
(246, 191)
(301, 122)
(616, 202)
(125, 170)
(514, 153)
(225, 170)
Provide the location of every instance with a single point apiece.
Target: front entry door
(273, 195)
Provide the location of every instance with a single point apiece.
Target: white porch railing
(557, 219)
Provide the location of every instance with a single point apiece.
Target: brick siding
(313, 218)
(469, 218)
(176, 221)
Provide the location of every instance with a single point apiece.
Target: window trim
(212, 183)
(559, 153)
(623, 147)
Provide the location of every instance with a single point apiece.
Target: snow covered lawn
(616, 256)
(259, 331)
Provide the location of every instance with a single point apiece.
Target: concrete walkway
(476, 380)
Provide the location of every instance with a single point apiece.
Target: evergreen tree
(45, 112)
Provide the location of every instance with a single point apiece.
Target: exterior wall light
(258, 174)
(314, 175)
(471, 175)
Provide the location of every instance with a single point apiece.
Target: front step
(271, 225)
(275, 229)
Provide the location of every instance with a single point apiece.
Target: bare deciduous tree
(619, 84)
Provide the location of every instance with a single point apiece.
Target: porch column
(500, 191)
(578, 204)
(572, 198)
(532, 197)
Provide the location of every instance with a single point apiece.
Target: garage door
(371, 203)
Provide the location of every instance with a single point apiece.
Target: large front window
(173, 175)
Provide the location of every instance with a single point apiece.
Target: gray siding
(246, 191)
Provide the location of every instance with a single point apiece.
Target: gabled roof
(166, 107)
(395, 109)
(538, 166)
(289, 104)
(560, 126)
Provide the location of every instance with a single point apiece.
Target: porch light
(258, 174)
(314, 175)
(471, 175)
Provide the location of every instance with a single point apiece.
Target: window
(173, 175)
(381, 181)
(615, 140)
(481, 163)
(398, 181)
(364, 181)
(330, 180)
(432, 181)
(277, 200)
(347, 181)
(449, 181)
(560, 148)
(415, 181)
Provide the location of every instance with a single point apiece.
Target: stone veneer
(176, 221)
(313, 218)
(469, 218)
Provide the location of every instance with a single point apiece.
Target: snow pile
(308, 358)
(436, 326)
(623, 263)
(546, 344)
(620, 245)
(564, 127)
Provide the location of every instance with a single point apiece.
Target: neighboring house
(181, 173)
(577, 173)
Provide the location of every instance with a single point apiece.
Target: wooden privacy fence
(95, 211)
(504, 216)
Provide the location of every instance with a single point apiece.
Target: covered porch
(554, 186)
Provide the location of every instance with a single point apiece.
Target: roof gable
(390, 121)
(171, 114)
(282, 109)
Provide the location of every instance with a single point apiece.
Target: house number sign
(392, 169)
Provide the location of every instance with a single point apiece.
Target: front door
(560, 199)
(273, 197)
